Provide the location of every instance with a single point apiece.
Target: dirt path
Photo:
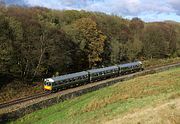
(166, 113)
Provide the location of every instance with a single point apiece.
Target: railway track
(24, 99)
(28, 98)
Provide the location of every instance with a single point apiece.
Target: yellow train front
(48, 85)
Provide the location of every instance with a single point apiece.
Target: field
(119, 103)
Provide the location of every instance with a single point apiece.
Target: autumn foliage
(37, 42)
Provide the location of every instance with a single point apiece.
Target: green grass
(110, 102)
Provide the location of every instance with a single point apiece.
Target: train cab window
(48, 83)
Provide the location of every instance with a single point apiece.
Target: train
(80, 78)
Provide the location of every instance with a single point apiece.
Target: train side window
(53, 84)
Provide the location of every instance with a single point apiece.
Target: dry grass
(160, 62)
(136, 89)
(17, 89)
(165, 113)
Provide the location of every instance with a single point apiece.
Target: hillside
(37, 43)
(125, 101)
(162, 113)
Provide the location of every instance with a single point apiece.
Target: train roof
(68, 76)
(102, 69)
(130, 64)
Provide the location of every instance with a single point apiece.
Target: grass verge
(108, 103)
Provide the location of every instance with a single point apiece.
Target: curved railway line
(28, 98)
(24, 99)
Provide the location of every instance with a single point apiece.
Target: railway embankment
(16, 111)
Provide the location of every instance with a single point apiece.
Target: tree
(11, 35)
(90, 39)
(136, 25)
(155, 44)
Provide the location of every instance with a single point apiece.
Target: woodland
(37, 43)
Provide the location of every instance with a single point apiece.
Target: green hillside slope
(111, 102)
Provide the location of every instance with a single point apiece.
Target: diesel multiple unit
(79, 78)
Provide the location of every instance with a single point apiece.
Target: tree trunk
(43, 49)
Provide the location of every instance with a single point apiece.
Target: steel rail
(24, 99)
